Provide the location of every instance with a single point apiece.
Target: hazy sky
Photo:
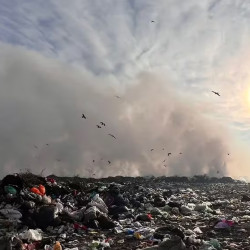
(59, 59)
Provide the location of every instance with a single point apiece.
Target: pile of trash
(147, 213)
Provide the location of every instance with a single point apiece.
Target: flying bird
(151, 149)
(169, 154)
(216, 93)
(83, 116)
(180, 153)
(152, 21)
(163, 149)
(165, 166)
(35, 146)
(102, 123)
(58, 159)
(93, 160)
(109, 162)
(47, 144)
(228, 154)
(118, 97)
(164, 160)
(98, 126)
(112, 136)
(218, 172)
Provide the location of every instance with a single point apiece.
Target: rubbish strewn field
(124, 213)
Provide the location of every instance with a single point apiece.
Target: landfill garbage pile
(123, 213)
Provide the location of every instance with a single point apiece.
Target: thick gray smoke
(41, 102)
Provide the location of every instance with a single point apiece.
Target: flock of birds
(152, 149)
(103, 124)
(98, 126)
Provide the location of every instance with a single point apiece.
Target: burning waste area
(171, 213)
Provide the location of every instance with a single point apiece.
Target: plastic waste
(197, 230)
(10, 190)
(78, 226)
(59, 208)
(224, 224)
(57, 246)
(215, 243)
(48, 247)
(90, 214)
(46, 199)
(76, 215)
(138, 236)
(35, 191)
(130, 232)
(11, 214)
(99, 203)
(31, 234)
(42, 189)
(51, 180)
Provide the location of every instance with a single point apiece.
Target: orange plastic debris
(35, 191)
(42, 189)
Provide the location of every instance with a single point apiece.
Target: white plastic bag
(99, 203)
(31, 234)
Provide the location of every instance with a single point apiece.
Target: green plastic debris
(215, 243)
(10, 190)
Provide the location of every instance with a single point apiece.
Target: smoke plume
(42, 101)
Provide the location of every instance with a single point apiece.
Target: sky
(163, 58)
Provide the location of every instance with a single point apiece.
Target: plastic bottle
(57, 246)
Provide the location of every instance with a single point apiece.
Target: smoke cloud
(42, 100)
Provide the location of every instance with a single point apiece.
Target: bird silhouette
(93, 160)
(163, 149)
(151, 149)
(218, 172)
(83, 116)
(102, 123)
(169, 154)
(165, 166)
(152, 21)
(216, 93)
(35, 146)
(112, 136)
(180, 153)
(228, 154)
(118, 97)
(109, 162)
(58, 160)
(47, 144)
(164, 160)
(98, 126)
